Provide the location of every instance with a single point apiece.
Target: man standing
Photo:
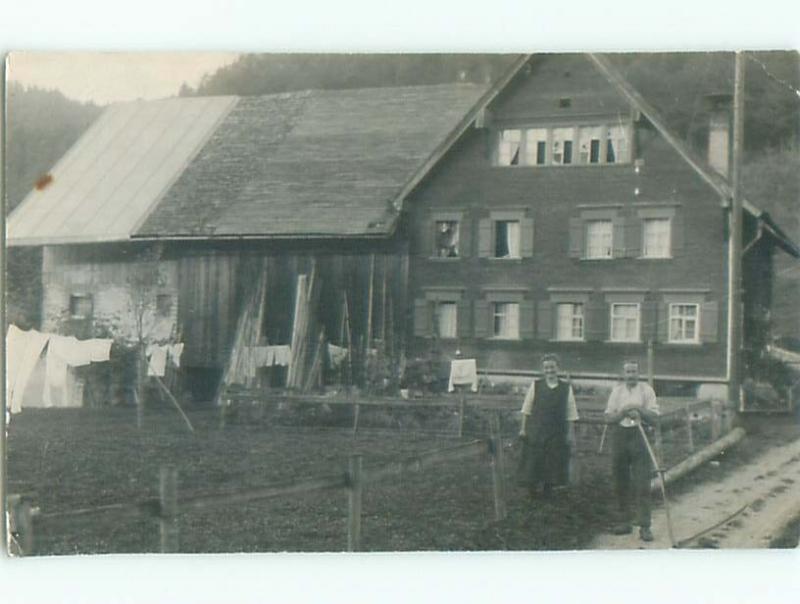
(632, 402)
(546, 430)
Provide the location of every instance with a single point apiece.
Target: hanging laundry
(99, 349)
(463, 372)
(174, 353)
(336, 355)
(283, 355)
(156, 359)
(62, 351)
(23, 349)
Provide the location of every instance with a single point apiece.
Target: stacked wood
(238, 369)
(308, 337)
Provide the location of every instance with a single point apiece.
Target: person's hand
(634, 415)
(522, 435)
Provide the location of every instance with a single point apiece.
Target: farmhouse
(552, 210)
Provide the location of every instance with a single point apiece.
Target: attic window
(564, 102)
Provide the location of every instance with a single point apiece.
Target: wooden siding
(554, 197)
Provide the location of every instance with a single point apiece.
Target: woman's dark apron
(545, 453)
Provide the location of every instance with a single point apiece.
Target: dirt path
(745, 505)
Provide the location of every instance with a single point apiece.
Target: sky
(111, 77)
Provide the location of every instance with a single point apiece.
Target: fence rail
(167, 506)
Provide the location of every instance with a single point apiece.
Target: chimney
(719, 132)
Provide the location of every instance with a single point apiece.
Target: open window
(447, 239)
(505, 320)
(509, 147)
(562, 145)
(507, 239)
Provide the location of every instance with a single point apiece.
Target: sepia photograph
(416, 302)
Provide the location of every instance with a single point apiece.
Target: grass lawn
(69, 459)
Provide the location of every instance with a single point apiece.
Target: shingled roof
(331, 163)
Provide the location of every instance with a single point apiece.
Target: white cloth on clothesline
(463, 372)
(23, 350)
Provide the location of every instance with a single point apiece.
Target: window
(617, 144)
(536, 146)
(562, 145)
(505, 320)
(81, 306)
(599, 238)
(509, 147)
(683, 323)
(163, 305)
(447, 239)
(445, 317)
(656, 237)
(589, 145)
(569, 321)
(624, 322)
(506, 239)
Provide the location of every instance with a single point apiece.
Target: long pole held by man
(631, 412)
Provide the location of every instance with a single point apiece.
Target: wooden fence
(23, 514)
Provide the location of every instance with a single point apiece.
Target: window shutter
(649, 321)
(596, 319)
(662, 331)
(526, 237)
(618, 237)
(464, 319)
(544, 320)
(576, 237)
(677, 227)
(484, 238)
(428, 237)
(422, 318)
(464, 238)
(482, 319)
(526, 326)
(633, 237)
(709, 322)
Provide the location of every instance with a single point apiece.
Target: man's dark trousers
(632, 473)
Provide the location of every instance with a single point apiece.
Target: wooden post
(356, 412)
(651, 378)
(689, 428)
(735, 235)
(168, 516)
(369, 303)
(498, 467)
(462, 404)
(20, 526)
(715, 421)
(138, 392)
(354, 491)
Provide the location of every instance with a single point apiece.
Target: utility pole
(735, 289)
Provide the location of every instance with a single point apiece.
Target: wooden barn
(553, 210)
(178, 209)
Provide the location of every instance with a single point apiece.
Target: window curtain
(446, 319)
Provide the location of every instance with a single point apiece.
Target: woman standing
(547, 431)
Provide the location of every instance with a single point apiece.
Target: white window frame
(651, 219)
(673, 306)
(494, 308)
(587, 239)
(581, 317)
(436, 306)
(611, 334)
